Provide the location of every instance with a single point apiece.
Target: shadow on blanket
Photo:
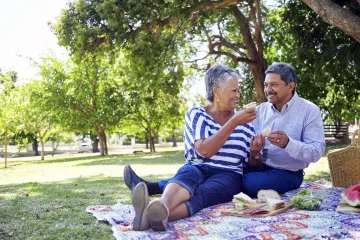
(210, 223)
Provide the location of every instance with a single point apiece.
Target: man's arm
(312, 147)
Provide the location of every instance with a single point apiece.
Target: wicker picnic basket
(344, 164)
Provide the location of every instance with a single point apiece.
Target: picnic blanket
(211, 223)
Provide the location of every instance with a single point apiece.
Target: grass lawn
(47, 199)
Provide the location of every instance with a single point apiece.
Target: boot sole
(156, 214)
(140, 200)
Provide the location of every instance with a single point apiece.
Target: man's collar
(288, 104)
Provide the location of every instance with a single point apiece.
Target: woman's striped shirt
(232, 156)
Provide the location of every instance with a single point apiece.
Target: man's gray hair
(285, 70)
(217, 75)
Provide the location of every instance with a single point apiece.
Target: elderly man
(296, 139)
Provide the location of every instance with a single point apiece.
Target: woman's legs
(177, 191)
(218, 188)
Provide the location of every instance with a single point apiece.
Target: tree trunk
(35, 147)
(105, 144)
(42, 148)
(152, 144)
(174, 139)
(255, 58)
(95, 145)
(54, 147)
(258, 71)
(6, 143)
(102, 140)
(151, 140)
(337, 16)
(146, 141)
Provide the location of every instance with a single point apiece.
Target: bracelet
(257, 157)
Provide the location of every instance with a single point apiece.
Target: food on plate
(266, 132)
(305, 200)
(264, 194)
(251, 105)
(275, 204)
(351, 195)
(255, 211)
(243, 201)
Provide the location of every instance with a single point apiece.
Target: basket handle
(355, 143)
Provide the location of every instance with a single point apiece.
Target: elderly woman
(219, 142)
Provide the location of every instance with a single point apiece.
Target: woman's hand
(257, 144)
(245, 116)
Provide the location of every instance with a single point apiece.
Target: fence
(336, 131)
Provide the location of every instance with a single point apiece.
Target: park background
(106, 83)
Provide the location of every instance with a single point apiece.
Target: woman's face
(228, 94)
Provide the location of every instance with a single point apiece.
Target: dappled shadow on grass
(115, 159)
(174, 157)
(56, 210)
(319, 175)
(67, 159)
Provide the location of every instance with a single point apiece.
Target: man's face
(276, 90)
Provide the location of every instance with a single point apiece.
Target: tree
(86, 94)
(325, 58)
(32, 112)
(88, 25)
(153, 84)
(7, 96)
(341, 14)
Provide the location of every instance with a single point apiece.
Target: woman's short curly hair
(217, 75)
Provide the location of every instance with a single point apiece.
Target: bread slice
(275, 204)
(266, 132)
(251, 105)
(264, 194)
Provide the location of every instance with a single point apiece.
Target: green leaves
(326, 59)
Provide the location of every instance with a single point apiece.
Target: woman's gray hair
(217, 75)
(285, 70)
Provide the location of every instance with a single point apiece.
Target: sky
(24, 33)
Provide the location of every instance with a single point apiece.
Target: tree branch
(245, 32)
(173, 21)
(228, 44)
(337, 16)
(232, 56)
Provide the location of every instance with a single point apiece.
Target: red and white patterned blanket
(211, 223)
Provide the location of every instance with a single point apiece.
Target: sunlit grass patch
(47, 199)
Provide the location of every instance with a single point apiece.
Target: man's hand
(278, 138)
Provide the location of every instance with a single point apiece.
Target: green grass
(47, 199)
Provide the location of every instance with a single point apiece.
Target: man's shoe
(130, 178)
(157, 214)
(140, 201)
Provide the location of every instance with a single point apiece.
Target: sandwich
(275, 204)
(243, 201)
(264, 194)
(251, 105)
(271, 198)
(266, 132)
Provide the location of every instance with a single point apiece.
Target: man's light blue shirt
(301, 121)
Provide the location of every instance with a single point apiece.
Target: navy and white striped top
(232, 156)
